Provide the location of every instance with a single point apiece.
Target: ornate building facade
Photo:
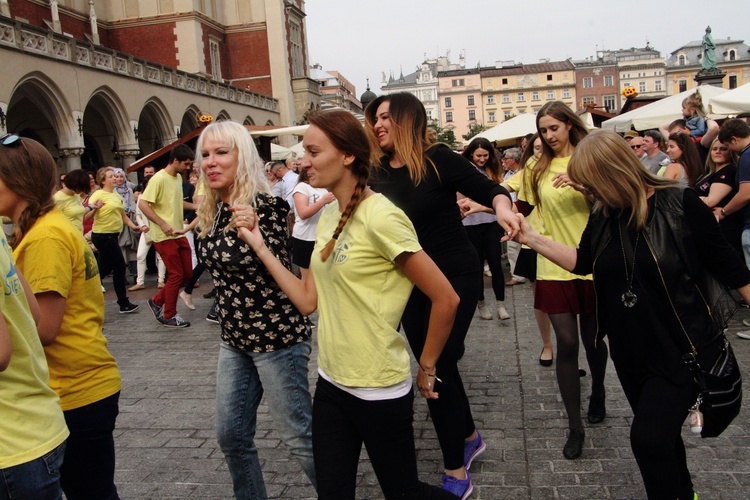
(103, 83)
(732, 57)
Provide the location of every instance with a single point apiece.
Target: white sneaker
(502, 312)
(484, 312)
(487, 271)
(187, 299)
(746, 322)
(104, 290)
(744, 335)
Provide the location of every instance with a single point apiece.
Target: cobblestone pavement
(165, 432)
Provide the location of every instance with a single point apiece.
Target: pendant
(629, 298)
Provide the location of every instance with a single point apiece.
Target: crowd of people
(384, 232)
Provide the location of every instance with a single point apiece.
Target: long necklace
(629, 298)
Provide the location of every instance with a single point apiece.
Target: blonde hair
(603, 162)
(695, 101)
(711, 164)
(249, 180)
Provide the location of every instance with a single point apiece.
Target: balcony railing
(47, 43)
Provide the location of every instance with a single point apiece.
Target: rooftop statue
(708, 61)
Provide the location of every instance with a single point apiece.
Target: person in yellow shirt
(68, 198)
(163, 205)
(367, 258)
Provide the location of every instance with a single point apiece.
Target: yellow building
(516, 89)
(460, 100)
(732, 57)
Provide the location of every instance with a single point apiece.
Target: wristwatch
(723, 213)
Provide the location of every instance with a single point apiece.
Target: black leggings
(568, 379)
(111, 261)
(342, 422)
(486, 240)
(659, 410)
(451, 413)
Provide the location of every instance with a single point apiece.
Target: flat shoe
(545, 362)
(597, 409)
(136, 287)
(574, 446)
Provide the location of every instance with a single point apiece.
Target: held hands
(328, 198)
(167, 229)
(145, 229)
(525, 232)
(426, 382)
(246, 221)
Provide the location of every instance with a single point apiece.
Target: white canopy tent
(509, 131)
(298, 130)
(732, 102)
(280, 152)
(660, 112)
(298, 149)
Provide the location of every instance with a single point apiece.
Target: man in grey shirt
(654, 157)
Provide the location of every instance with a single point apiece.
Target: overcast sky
(362, 39)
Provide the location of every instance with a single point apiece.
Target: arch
(107, 100)
(732, 55)
(154, 126)
(248, 120)
(222, 116)
(106, 129)
(189, 120)
(681, 60)
(37, 103)
(269, 122)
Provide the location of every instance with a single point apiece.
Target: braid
(28, 218)
(350, 208)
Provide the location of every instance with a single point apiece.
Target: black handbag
(719, 389)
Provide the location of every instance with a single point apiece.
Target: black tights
(566, 333)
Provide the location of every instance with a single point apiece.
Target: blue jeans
(38, 479)
(241, 380)
(746, 246)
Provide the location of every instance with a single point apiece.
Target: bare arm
(712, 132)
(5, 347)
(303, 294)
(423, 272)
(306, 211)
(30, 298)
(737, 203)
(562, 255)
(673, 171)
(153, 217)
(126, 220)
(505, 217)
(53, 305)
(716, 193)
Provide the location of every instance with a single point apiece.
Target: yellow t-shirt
(565, 213)
(53, 256)
(516, 183)
(107, 219)
(164, 194)
(31, 421)
(72, 207)
(362, 294)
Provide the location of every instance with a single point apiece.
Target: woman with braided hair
(422, 179)
(364, 265)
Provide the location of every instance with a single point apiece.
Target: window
(491, 116)
(610, 102)
(550, 95)
(566, 93)
(505, 81)
(449, 116)
(535, 95)
(215, 59)
(681, 60)
(549, 78)
(429, 114)
(490, 99)
(626, 84)
(732, 57)
(657, 85)
(733, 82)
(682, 85)
(457, 83)
(471, 100)
(506, 114)
(641, 87)
(448, 103)
(298, 57)
(520, 97)
(588, 100)
(472, 114)
(588, 82)
(506, 98)
(608, 81)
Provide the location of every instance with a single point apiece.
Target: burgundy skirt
(557, 297)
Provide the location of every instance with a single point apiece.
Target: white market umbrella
(298, 150)
(298, 130)
(732, 102)
(280, 152)
(507, 132)
(660, 112)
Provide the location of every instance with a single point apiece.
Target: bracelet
(430, 375)
(723, 213)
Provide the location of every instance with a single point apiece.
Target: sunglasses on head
(9, 139)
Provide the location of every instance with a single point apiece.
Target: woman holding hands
(365, 262)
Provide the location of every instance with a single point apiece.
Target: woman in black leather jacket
(652, 246)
